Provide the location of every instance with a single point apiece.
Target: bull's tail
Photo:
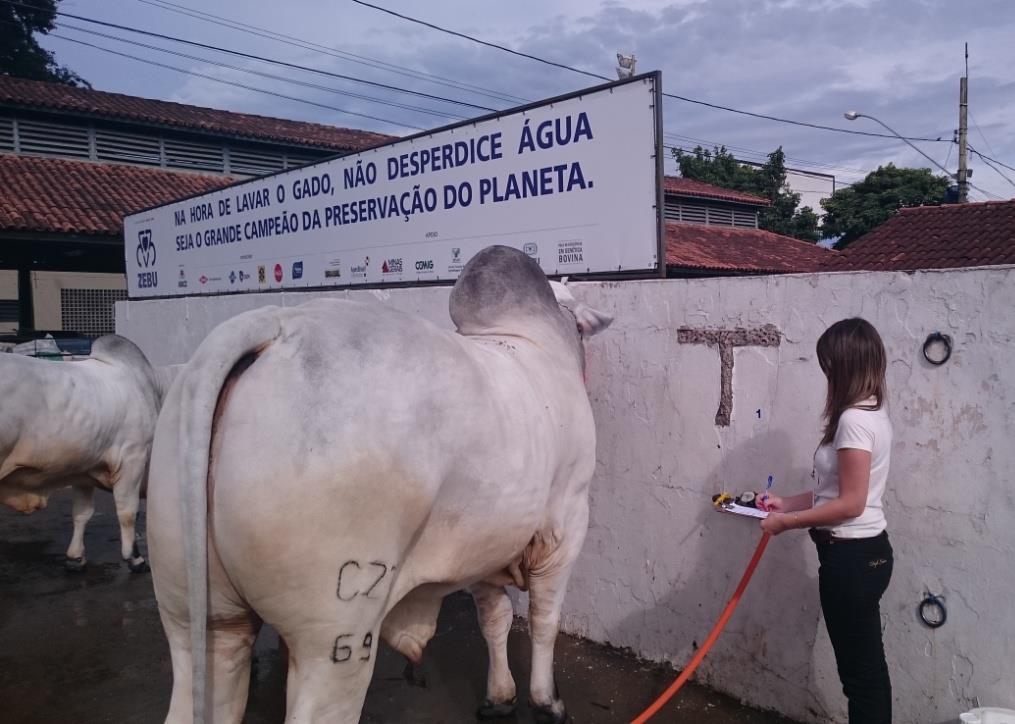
(237, 340)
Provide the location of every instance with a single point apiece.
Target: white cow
(88, 424)
(357, 464)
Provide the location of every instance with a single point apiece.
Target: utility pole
(963, 174)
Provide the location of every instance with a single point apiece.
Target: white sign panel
(572, 182)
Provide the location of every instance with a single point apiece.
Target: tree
(854, 210)
(20, 53)
(720, 168)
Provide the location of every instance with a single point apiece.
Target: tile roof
(935, 237)
(79, 197)
(99, 104)
(689, 187)
(734, 249)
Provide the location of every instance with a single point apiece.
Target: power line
(233, 83)
(999, 163)
(251, 56)
(686, 99)
(996, 170)
(375, 63)
(333, 52)
(764, 155)
(481, 42)
(294, 81)
(977, 125)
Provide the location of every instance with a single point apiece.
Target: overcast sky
(807, 60)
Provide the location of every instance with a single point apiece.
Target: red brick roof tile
(733, 249)
(79, 197)
(99, 104)
(935, 237)
(689, 187)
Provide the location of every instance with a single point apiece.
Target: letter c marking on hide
(341, 570)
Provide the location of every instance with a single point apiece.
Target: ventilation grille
(8, 310)
(292, 161)
(52, 139)
(89, 311)
(252, 163)
(128, 148)
(748, 219)
(711, 215)
(40, 138)
(6, 134)
(197, 156)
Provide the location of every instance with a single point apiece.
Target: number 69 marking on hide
(340, 653)
(349, 569)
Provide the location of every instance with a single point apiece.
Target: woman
(844, 513)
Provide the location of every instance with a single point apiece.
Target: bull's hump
(501, 289)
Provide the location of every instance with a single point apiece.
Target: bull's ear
(591, 321)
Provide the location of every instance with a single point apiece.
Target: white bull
(356, 465)
(87, 424)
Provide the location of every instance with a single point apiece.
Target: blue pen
(768, 486)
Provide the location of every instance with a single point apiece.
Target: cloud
(808, 60)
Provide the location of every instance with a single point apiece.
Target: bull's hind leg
(230, 646)
(495, 613)
(330, 665)
(549, 559)
(126, 496)
(83, 509)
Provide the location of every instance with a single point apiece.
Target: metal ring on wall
(932, 602)
(931, 340)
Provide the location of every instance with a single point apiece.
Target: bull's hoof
(500, 710)
(414, 675)
(137, 565)
(75, 565)
(552, 714)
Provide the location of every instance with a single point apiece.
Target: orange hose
(712, 636)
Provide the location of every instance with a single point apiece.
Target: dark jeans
(853, 576)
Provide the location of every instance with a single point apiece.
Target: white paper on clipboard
(742, 510)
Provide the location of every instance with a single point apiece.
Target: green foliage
(854, 210)
(21, 55)
(720, 168)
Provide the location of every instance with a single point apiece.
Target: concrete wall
(659, 564)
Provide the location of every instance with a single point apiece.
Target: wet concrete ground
(88, 647)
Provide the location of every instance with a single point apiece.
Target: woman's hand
(771, 503)
(775, 523)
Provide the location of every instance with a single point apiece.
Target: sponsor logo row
(569, 253)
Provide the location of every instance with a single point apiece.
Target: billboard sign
(574, 182)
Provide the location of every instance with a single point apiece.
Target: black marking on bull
(384, 571)
(348, 595)
(340, 653)
(341, 571)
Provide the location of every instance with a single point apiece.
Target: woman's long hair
(853, 359)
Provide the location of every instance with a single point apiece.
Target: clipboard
(726, 503)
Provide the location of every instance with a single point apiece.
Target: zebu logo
(145, 249)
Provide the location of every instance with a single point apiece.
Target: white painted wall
(659, 564)
(812, 188)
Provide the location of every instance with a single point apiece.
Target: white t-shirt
(869, 430)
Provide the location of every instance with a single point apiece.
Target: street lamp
(853, 115)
